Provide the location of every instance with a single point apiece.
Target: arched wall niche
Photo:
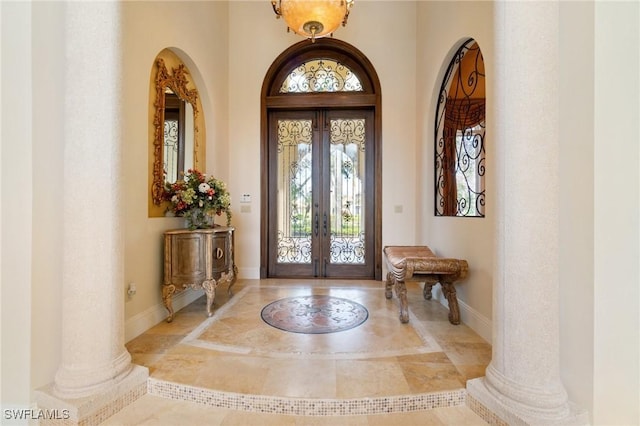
(459, 148)
(173, 69)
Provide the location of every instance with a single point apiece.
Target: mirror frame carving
(177, 81)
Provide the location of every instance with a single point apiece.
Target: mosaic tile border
(114, 406)
(577, 415)
(484, 413)
(103, 413)
(306, 406)
(95, 409)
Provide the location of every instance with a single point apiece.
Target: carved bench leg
(450, 293)
(426, 291)
(209, 287)
(167, 294)
(388, 287)
(401, 292)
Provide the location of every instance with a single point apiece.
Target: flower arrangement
(198, 197)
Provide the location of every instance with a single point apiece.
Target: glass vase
(199, 219)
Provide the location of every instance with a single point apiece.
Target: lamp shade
(314, 18)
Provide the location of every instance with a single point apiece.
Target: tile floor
(236, 354)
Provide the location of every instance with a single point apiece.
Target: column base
(501, 410)
(96, 408)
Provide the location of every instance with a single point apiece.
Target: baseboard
(138, 324)
(249, 273)
(469, 316)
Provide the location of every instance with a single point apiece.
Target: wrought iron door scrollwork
(459, 136)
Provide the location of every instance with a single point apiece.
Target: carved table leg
(209, 287)
(234, 277)
(401, 292)
(167, 294)
(450, 293)
(388, 286)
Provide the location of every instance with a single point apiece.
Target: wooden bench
(419, 263)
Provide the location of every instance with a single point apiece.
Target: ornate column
(95, 368)
(522, 383)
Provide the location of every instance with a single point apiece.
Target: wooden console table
(202, 258)
(419, 263)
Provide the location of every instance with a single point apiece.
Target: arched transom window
(321, 75)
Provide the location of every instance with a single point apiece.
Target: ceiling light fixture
(313, 18)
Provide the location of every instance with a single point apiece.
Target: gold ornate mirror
(176, 143)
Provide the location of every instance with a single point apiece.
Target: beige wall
(616, 217)
(576, 200)
(197, 33)
(48, 142)
(32, 146)
(17, 195)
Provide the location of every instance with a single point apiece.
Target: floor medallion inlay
(314, 314)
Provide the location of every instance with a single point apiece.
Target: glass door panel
(320, 202)
(294, 166)
(347, 196)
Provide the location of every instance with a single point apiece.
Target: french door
(321, 197)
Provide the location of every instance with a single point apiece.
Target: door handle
(316, 225)
(324, 224)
